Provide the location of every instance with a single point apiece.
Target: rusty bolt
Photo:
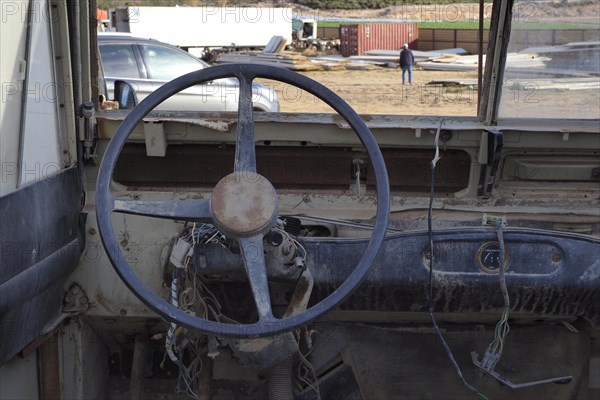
(556, 257)
(84, 300)
(75, 290)
(92, 231)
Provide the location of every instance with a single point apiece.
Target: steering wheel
(243, 205)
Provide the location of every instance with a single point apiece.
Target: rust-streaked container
(357, 39)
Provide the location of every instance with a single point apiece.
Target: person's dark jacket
(406, 58)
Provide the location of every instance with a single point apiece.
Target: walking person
(406, 62)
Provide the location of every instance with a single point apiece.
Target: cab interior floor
(397, 362)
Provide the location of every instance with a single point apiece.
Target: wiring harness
(431, 263)
(190, 294)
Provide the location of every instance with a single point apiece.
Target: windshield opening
(553, 62)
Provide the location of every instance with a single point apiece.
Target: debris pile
(274, 54)
(551, 62)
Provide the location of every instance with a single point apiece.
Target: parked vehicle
(305, 36)
(208, 31)
(148, 64)
(205, 29)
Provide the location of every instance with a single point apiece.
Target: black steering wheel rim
(105, 203)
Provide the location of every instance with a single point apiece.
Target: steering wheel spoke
(187, 210)
(254, 260)
(245, 152)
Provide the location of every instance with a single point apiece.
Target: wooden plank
(333, 59)
(361, 67)
(584, 44)
(453, 82)
(574, 83)
(436, 66)
(536, 72)
(333, 67)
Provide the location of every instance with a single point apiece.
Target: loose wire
(431, 260)
(170, 339)
(314, 385)
(502, 328)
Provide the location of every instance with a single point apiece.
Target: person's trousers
(409, 69)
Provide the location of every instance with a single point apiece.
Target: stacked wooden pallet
(294, 61)
(390, 56)
(454, 62)
(572, 83)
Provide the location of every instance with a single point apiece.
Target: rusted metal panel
(409, 170)
(288, 168)
(138, 367)
(49, 369)
(357, 39)
(198, 165)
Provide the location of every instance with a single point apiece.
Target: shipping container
(359, 38)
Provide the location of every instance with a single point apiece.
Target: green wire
(482, 396)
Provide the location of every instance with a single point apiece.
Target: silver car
(147, 64)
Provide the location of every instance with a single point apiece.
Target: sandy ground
(381, 91)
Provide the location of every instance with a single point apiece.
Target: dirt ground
(380, 91)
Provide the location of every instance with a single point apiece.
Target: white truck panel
(206, 26)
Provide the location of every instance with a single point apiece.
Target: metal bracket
(488, 363)
(89, 139)
(358, 173)
(493, 220)
(495, 143)
(155, 139)
(75, 300)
